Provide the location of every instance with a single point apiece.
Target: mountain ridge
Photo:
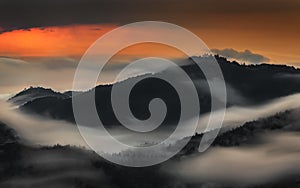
(250, 84)
(32, 93)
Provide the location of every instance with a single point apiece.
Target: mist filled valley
(257, 145)
(149, 94)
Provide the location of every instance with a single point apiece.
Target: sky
(41, 42)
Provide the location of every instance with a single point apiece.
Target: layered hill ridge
(246, 85)
(33, 93)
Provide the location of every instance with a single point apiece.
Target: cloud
(49, 132)
(238, 115)
(276, 157)
(16, 74)
(245, 56)
(58, 72)
(46, 132)
(295, 64)
(233, 95)
(288, 76)
(54, 168)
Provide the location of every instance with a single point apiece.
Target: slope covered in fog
(266, 142)
(246, 85)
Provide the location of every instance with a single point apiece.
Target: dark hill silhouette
(18, 161)
(7, 135)
(254, 83)
(70, 93)
(247, 133)
(260, 82)
(33, 93)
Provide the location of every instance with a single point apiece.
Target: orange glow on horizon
(51, 41)
(74, 40)
(70, 41)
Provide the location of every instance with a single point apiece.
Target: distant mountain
(33, 93)
(246, 84)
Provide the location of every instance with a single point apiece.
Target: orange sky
(73, 41)
(41, 43)
(51, 41)
(69, 41)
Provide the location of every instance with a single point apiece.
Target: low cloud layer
(244, 56)
(277, 157)
(36, 130)
(50, 132)
(39, 131)
(16, 74)
(237, 115)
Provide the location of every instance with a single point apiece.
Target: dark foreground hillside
(67, 166)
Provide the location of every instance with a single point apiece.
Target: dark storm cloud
(246, 56)
(17, 14)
